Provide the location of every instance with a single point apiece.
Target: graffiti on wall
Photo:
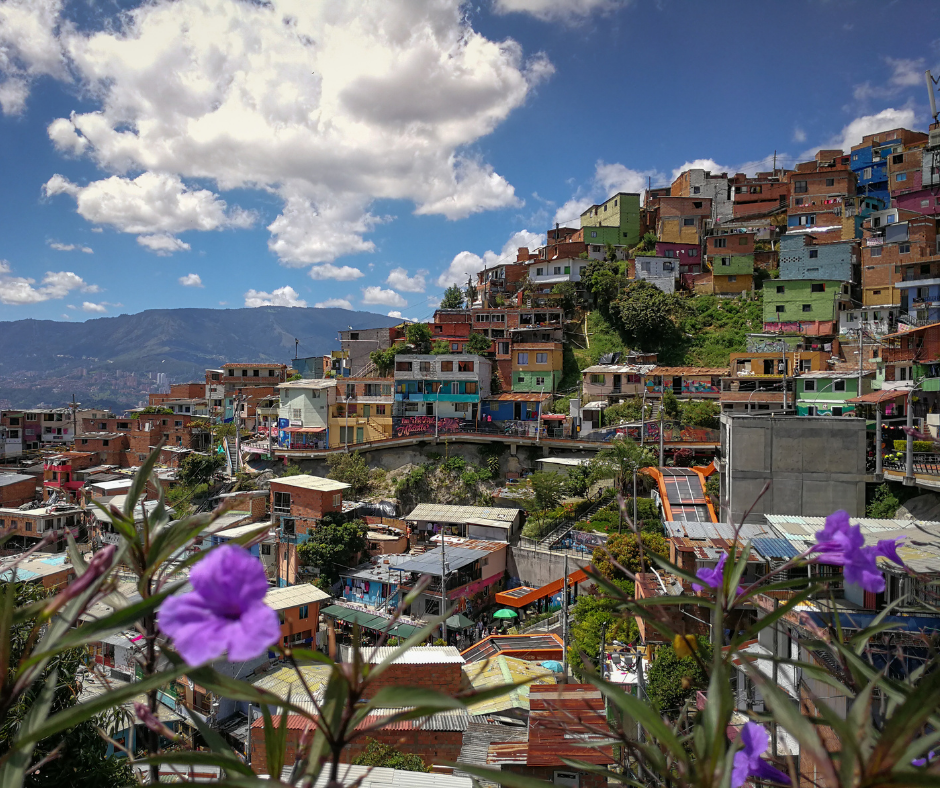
(424, 425)
(672, 433)
(699, 386)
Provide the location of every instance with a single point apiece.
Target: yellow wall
(886, 295)
(554, 363)
(373, 428)
(721, 285)
(672, 231)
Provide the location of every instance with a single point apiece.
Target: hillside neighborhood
(719, 365)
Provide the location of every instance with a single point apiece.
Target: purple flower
(225, 611)
(747, 761)
(923, 761)
(713, 578)
(841, 544)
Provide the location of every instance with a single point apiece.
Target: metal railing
(925, 463)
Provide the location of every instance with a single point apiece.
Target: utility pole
(238, 432)
(661, 434)
(879, 470)
(564, 624)
(296, 345)
(784, 354)
(859, 394)
(538, 423)
(443, 589)
(634, 498)
(643, 418)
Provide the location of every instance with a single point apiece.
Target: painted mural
(424, 425)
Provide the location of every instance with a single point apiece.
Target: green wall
(796, 293)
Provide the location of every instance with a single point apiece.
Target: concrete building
(444, 387)
(360, 343)
(806, 256)
(298, 611)
(555, 272)
(815, 465)
(362, 411)
(304, 413)
(615, 222)
(536, 366)
(614, 383)
(805, 306)
(659, 271)
(16, 489)
(827, 393)
(298, 503)
(701, 183)
(689, 256)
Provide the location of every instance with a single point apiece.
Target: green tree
(603, 279)
(384, 755)
(478, 344)
(453, 298)
(701, 414)
(441, 347)
(569, 295)
(81, 761)
(647, 316)
(333, 546)
(295, 375)
(628, 410)
(620, 459)
(384, 360)
(200, 468)
(154, 409)
(671, 681)
(884, 504)
(547, 490)
(352, 469)
(580, 478)
(470, 293)
(590, 614)
(419, 337)
(625, 550)
(671, 406)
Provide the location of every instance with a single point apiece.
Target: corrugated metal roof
(381, 777)
(442, 513)
(502, 670)
(690, 371)
(420, 655)
(698, 530)
(311, 483)
(564, 722)
(431, 563)
(520, 644)
(286, 681)
(519, 397)
(14, 478)
(620, 369)
(772, 547)
(450, 720)
(292, 596)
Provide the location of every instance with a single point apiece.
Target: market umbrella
(553, 665)
(505, 613)
(458, 621)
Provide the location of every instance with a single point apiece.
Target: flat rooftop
(320, 483)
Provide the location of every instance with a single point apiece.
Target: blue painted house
(803, 256)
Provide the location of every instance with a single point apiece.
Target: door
(428, 408)
(359, 435)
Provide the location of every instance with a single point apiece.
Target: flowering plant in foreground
(888, 737)
(225, 611)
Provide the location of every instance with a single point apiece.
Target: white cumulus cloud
(341, 273)
(564, 10)
(29, 47)
(398, 278)
(163, 244)
(60, 247)
(18, 290)
(191, 280)
(88, 306)
(608, 180)
(394, 313)
(283, 296)
(376, 295)
(853, 132)
(314, 102)
(470, 263)
(334, 303)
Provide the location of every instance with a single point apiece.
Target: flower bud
(98, 566)
(150, 719)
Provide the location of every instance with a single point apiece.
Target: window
(781, 308)
(539, 381)
(231, 373)
(875, 251)
(597, 380)
(594, 234)
(380, 410)
(567, 269)
(726, 261)
(904, 248)
(447, 366)
(866, 173)
(688, 222)
(799, 187)
(838, 385)
(520, 379)
(837, 411)
(721, 243)
(901, 176)
(696, 190)
(265, 549)
(541, 358)
(338, 499)
(281, 501)
(455, 347)
(781, 288)
(696, 205)
(424, 366)
(465, 366)
(819, 287)
(540, 272)
(830, 181)
(256, 373)
(807, 307)
(556, 270)
(178, 423)
(303, 611)
(403, 366)
(898, 159)
(693, 253)
(797, 200)
(522, 359)
(244, 373)
(296, 414)
(813, 253)
(742, 241)
(733, 278)
(809, 385)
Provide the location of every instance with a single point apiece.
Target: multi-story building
(362, 411)
(818, 191)
(827, 393)
(615, 222)
(762, 381)
(359, 343)
(806, 256)
(505, 327)
(16, 489)
(761, 194)
(536, 366)
(447, 388)
(452, 326)
(497, 286)
(613, 383)
(701, 183)
(558, 271)
(681, 220)
(689, 256)
(730, 257)
(60, 475)
(870, 158)
(234, 377)
(811, 307)
(304, 413)
(298, 503)
(28, 526)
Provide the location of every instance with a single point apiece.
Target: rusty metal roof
(564, 722)
(689, 371)
(520, 397)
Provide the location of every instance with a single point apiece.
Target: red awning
(307, 430)
(553, 417)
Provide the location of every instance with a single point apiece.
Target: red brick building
(16, 489)
(765, 192)
(298, 503)
(298, 610)
(818, 191)
(59, 474)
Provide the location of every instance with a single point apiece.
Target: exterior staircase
(233, 463)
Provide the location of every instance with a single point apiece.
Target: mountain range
(113, 361)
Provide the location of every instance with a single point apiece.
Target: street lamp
(538, 422)
(909, 458)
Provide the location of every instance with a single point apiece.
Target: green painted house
(732, 264)
(615, 222)
(827, 393)
(794, 301)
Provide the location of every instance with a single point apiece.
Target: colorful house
(826, 393)
(536, 366)
(304, 413)
(615, 222)
(685, 382)
(362, 411)
(805, 306)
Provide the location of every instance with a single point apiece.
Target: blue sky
(366, 154)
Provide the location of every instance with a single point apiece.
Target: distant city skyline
(368, 157)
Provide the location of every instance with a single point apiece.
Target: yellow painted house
(362, 412)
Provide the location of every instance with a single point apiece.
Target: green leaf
(508, 779)
(139, 484)
(229, 763)
(275, 740)
(219, 746)
(17, 760)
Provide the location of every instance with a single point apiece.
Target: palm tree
(622, 458)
